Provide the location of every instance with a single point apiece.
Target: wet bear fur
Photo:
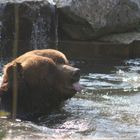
(43, 79)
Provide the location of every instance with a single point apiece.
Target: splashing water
(126, 78)
(108, 107)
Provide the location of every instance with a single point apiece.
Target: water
(39, 38)
(41, 29)
(108, 107)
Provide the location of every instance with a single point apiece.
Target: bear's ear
(14, 67)
(9, 73)
(18, 67)
(4, 84)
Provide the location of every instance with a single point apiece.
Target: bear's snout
(75, 75)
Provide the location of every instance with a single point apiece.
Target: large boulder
(37, 25)
(122, 38)
(92, 19)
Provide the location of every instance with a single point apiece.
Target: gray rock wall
(108, 21)
(92, 19)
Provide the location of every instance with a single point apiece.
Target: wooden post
(15, 51)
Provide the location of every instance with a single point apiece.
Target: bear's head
(43, 79)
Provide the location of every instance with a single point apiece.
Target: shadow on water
(108, 107)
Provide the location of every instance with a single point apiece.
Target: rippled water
(108, 107)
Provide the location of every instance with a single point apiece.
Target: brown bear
(44, 79)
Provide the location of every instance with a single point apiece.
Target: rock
(92, 19)
(37, 25)
(122, 38)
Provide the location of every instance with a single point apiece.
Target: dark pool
(108, 107)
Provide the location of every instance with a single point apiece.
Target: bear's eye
(71, 63)
(61, 61)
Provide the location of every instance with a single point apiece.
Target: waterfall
(2, 7)
(44, 33)
(39, 38)
(55, 25)
(37, 25)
